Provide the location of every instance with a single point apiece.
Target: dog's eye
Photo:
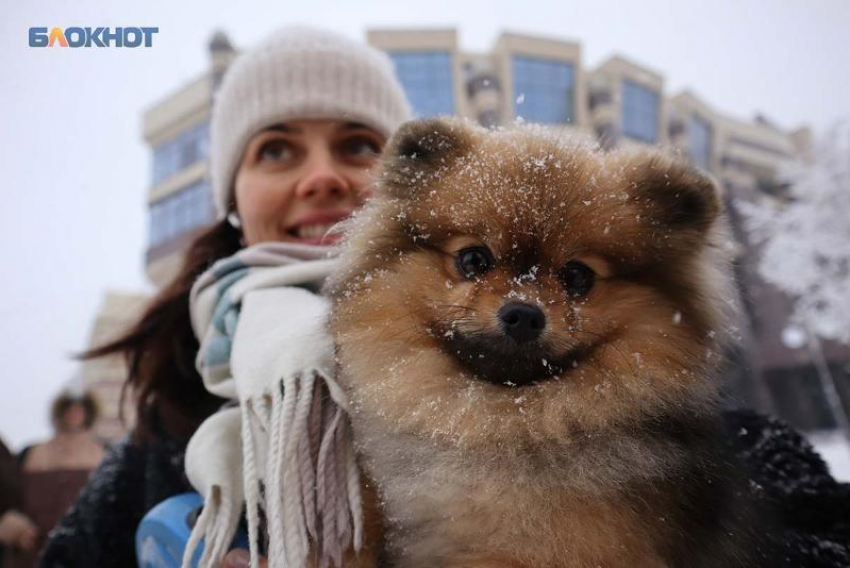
(576, 278)
(474, 261)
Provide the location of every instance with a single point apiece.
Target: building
(618, 104)
(179, 206)
(177, 129)
(106, 376)
(536, 79)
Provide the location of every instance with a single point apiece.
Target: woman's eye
(275, 151)
(361, 147)
(474, 261)
(576, 278)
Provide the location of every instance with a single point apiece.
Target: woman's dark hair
(160, 348)
(66, 400)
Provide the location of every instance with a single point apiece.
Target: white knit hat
(299, 74)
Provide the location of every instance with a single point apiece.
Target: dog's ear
(676, 196)
(422, 150)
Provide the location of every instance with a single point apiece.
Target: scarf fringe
(315, 504)
(251, 481)
(216, 525)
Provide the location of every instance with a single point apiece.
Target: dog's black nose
(521, 322)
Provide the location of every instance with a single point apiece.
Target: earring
(234, 221)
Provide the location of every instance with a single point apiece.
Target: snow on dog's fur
(529, 334)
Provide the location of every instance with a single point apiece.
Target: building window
(428, 80)
(640, 112)
(183, 150)
(544, 89)
(180, 212)
(600, 98)
(699, 142)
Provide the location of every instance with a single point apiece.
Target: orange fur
(565, 471)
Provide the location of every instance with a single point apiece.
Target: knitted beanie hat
(299, 74)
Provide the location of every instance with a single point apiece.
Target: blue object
(163, 533)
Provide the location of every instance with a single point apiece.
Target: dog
(529, 331)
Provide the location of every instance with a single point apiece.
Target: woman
(297, 123)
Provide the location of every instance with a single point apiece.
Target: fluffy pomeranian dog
(529, 333)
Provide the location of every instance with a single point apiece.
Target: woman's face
(298, 179)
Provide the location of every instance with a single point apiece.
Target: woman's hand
(239, 558)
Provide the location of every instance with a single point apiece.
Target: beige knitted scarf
(285, 451)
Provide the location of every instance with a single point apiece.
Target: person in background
(53, 472)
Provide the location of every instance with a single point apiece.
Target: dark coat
(10, 485)
(813, 509)
(10, 480)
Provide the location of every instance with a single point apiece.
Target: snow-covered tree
(806, 251)
(806, 236)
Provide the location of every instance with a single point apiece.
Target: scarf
(284, 448)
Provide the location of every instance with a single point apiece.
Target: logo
(92, 37)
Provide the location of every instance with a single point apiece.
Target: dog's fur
(595, 444)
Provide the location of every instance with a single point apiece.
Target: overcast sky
(76, 169)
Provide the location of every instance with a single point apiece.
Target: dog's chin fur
(489, 453)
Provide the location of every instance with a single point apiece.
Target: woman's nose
(322, 180)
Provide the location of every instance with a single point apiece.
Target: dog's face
(504, 287)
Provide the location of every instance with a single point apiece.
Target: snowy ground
(836, 451)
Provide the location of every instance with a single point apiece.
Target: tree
(805, 239)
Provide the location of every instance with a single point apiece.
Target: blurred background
(104, 157)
